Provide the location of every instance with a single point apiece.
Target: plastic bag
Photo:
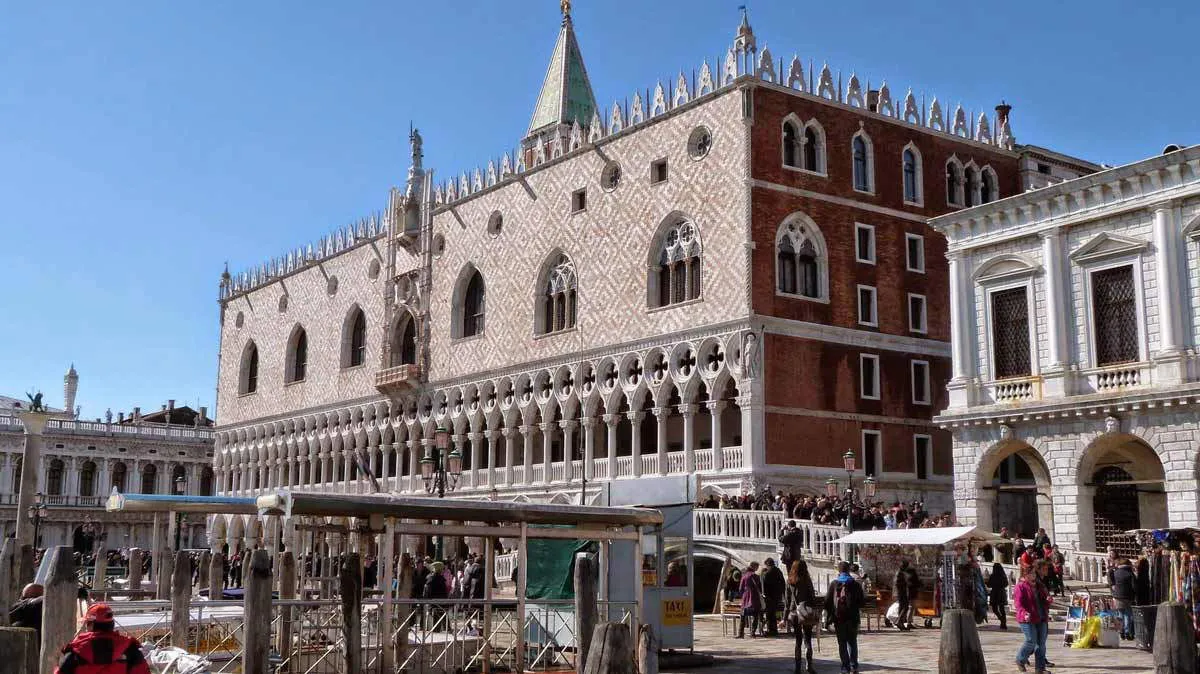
(893, 613)
(176, 661)
(1088, 634)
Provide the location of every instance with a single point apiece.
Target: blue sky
(144, 144)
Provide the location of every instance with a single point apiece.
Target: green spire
(566, 94)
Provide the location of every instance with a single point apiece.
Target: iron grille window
(1010, 333)
(1114, 308)
(870, 453)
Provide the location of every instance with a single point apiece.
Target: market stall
(1167, 570)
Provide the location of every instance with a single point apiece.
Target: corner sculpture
(35, 402)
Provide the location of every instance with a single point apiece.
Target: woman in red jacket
(1031, 600)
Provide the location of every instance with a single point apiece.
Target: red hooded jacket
(102, 652)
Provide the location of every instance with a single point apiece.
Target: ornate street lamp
(831, 487)
(37, 512)
(441, 476)
(869, 487)
(180, 489)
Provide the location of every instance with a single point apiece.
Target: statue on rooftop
(35, 402)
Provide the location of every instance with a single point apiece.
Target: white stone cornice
(1072, 406)
(851, 337)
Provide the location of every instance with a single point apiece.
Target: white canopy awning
(930, 536)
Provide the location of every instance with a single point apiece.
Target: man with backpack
(843, 609)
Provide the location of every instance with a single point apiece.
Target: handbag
(804, 614)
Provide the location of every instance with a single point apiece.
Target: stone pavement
(893, 651)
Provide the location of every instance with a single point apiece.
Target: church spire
(566, 94)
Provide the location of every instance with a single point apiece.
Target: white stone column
(589, 445)
(661, 415)
(547, 445)
(347, 461)
(510, 452)
(477, 460)
(414, 461)
(611, 421)
(688, 412)
(568, 431)
(715, 407)
(1170, 295)
(1056, 313)
(460, 443)
(962, 331)
(527, 439)
(635, 441)
(753, 436)
(491, 434)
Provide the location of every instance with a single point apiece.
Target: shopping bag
(893, 613)
(1089, 633)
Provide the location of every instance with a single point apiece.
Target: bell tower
(566, 95)
(70, 389)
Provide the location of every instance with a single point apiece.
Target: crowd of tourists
(863, 515)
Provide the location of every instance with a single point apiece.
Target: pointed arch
(989, 185)
(354, 338)
(814, 147)
(674, 262)
(862, 158)
(403, 339)
(149, 479)
(556, 294)
(971, 184)
(913, 175)
(248, 371)
(296, 360)
(802, 259)
(468, 303)
(803, 145)
(954, 182)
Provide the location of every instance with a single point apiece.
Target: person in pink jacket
(751, 589)
(1031, 600)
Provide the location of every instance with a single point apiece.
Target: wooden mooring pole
(181, 597)
(350, 584)
(257, 630)
(59, 605)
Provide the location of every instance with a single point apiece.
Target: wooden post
(257, 629)
(18, 648)
(202, 573)
(181, 595)
(383, 566)
(585, 604)
(134, 573)
(647, 651)
(522, 585)
(246, 562)
(10, 571)
(100, 572)
(350, 583)
(404, 590)
(489, 589)
(611, 651)
(287, 590)
(1174, 640)
(164, 570)
(719, 601)
(960, 651)
(59, 605)
(216, 577)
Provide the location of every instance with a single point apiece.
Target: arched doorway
(1126, 478)
(1014, 490)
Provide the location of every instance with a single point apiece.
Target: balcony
(398, 380)
(1013, 390)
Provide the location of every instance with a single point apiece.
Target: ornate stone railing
(1115, 377)
(397, 379)
(762, 527)
(59, 501)
(79, 427)
(1014, 390)
(732, 458)
(704, 460)
(505, 564)
(1088, 567)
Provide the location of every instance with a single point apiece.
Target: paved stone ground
(894, 651)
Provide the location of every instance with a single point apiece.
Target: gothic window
(54, 478)
(248, 380)
(469, 303)
(987, 190)
(118, 476)
(87, 479)
(1010, 333)
(972, 186)
(296, 365)
(149, 478)
(860, 147)
(814, 149)
(954, 183)
(912, 175)
(800, 259)
(1114, 312)
(206, 481)
(404, 341)
(354, 338)
(558, 295)
(792, 148)
(676, 276)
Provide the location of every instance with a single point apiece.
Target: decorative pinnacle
(565, 6)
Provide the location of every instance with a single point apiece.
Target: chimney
(137, 415)
(203, 416)
(873, 100)
(120, 417)
(171, 404)
(1002, 111)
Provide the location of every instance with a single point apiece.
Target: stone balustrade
(762, 527)
(80, 427)
(1088, 567)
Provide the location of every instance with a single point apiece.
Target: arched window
(861, 150)
(16, 473)
(791, 145)
(354, 338)
(179, 483)
(296, 364)
(149, 478)
(118, 476)
(800, 258)
(54, 478)
(558, 299)
(206, 481)
(404, 341)
(248, 377)
(469, 303)
(911, 160)
(814, 149)
(972, 186)
(987, 190)
(675, 271)
(954, 183)
(87, 479)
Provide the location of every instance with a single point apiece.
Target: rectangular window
(579, 200)
(923, 451)
(864, 243)
(920, 382)
(871, 455)
(1114, 315)
(1044, 169)
(914, 252)
(868, 376)
(658, 171)
(867, 306)
(917, 320)
(1010, 333)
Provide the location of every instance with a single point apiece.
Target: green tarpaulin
(552, 567)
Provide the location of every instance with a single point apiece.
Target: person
(676, 576)
(476, 579)
(843, 610)
(1121, 580)
(1031, 601)
(751, 590)
(100, 648)
(1018, 549)
(914, 593)
(1041, 540)
(902, 596)
(805, 616)
(1057, 564)
(27, 612)
(792, 541)
(998, 594)
(774, 591)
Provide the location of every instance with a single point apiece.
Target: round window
(283, 303)
(439, 244)
(495, 223)
(610, 177)
(239, 320)
(699, 143)
(331, 286)
(373, 270)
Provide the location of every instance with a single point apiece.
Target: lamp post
(831, 487)
(180, 489)
(440, 470)
(37, 512)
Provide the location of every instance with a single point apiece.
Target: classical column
(428, 444)
(510, 453)
(715, 407)
(589, 445)
(635, 432)
(460, 442)
(611, 421)
(31, 459)
(662, 415)
(547, 446)
(568, 429)
(753, 454)
(478, 464)
(962, 331)
(1170, 292)
(491, 434)
(688, 412)
(414, 462)
(527, 436)
(347, 459)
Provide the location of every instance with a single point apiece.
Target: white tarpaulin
(930, 536)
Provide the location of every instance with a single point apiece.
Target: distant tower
(745, 46)
(70, 388)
